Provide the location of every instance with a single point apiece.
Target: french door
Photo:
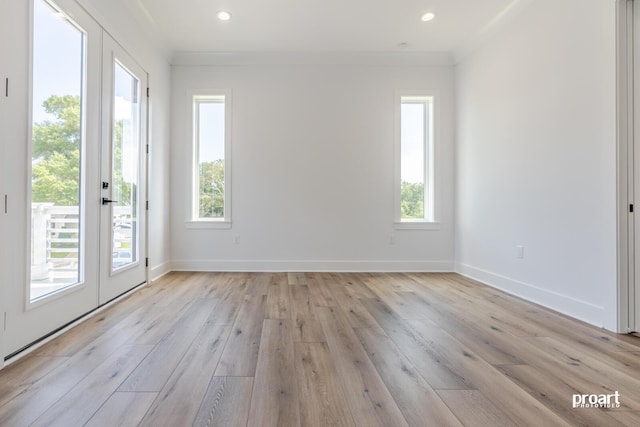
(634, 166)
(77, 116)
(54, 218)
(123, 228)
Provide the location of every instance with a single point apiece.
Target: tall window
(415, 154)
(57, 141)
(211, 159)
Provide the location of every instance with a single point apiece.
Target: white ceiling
(321, 25)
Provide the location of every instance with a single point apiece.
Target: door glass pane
(124, 174)
(57, 144)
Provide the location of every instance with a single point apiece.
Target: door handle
(106, 201)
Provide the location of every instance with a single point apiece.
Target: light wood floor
(323, 349)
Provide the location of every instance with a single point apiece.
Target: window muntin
(416, 159)
(211, 163)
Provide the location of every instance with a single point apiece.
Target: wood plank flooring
(323, 349)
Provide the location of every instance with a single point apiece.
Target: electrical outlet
(392, 239)
(237, 240)
(520, 252)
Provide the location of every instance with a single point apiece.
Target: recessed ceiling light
(223, 15)
(428, 16)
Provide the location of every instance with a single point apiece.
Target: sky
(57, 68)
(211, 131)
(126, 110)
(412, 143)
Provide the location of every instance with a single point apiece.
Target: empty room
(319, 213)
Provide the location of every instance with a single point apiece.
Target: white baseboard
(319, 266)
(157, 271)
(570, 306)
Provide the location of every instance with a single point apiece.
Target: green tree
(412, 200)
(61, 136)
(56, 153)
(212, 189)
(56, 179)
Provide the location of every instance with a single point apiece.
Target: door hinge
(147, 205)
(146, 262)
(147, 92)
(6, 204)
(631, 208)
(6, 87)
(147, 148)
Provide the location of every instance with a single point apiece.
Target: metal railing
(56, 238)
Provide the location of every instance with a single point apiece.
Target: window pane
(124, 174)
(57, 143)
(210, 147)
(413, 158)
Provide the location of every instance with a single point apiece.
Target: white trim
(625, 159)
(633, 143)
(157, 271)
(581, 310)
(192, 208)
(53, 296)
(213, 224)
(417, 225)
(432, 182)
(308, 266)
(381, 59)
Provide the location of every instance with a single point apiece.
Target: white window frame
(29, 302)
(193, 220)
(431, 217)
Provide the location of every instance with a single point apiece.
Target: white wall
(129, 25)
(312, 168)
(536, 166)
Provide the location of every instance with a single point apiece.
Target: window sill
(416, 225)
(214, 225)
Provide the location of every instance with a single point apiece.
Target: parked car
(121, 258)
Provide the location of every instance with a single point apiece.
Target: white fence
(56, 238)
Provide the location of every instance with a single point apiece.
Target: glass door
(59, 281)
(123, 198)
(634, 167)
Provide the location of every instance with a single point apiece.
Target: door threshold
(30, 348)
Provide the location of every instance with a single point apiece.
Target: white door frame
(14, 15)
(5, 28)
(627, 101)
(113, 283)
(27, 320)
